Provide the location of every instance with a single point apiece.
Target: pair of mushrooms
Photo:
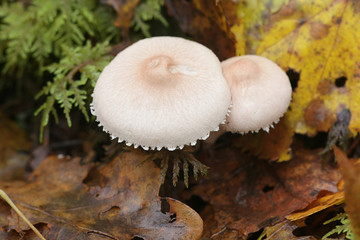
(167, 92)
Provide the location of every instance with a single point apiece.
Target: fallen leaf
(351, 173)
(324, 202)
(125, 11)
(247, 194)
(247, 21)
(205, 21)
(74, 200)
(270, 145)
(316, 38)
(13, 148)
(283, 230)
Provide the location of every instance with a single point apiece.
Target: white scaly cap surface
(162, 92)
(260, 90)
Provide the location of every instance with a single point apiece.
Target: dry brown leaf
(69, 199)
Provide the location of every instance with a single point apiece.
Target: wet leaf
(246, 194)
(323, 202)
(316, 38)
(313, 38)
(119, 200)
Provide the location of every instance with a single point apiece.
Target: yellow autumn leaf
(246, 20)
(323, 45)
(318, 205)
(317, 39)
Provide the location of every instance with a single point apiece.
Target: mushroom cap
(260, 90)
(162, 92)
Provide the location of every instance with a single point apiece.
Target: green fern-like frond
(343, 227)
(74, 34)
(67, 90)
(148, 10)
(40, 29)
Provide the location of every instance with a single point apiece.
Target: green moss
(342, 228)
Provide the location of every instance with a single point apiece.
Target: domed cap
(260, 90)
(162, 92)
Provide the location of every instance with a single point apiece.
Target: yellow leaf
(317, 39)
(318, 205)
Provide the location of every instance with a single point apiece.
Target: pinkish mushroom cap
(162, 92)
(260, 90)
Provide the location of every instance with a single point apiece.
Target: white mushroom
(162, 92)
(260, 90)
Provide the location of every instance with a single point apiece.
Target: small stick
(11, 203)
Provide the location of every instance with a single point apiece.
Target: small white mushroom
(260, 90)
(162, 92)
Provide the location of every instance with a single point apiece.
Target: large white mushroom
(162, 92)
(260, 90)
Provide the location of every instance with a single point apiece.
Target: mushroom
(260, 90)
(162, 92)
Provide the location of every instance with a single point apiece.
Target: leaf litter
(67, 198)
(245, 194)
(120, 203)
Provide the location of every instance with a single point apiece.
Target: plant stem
(11, 203)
